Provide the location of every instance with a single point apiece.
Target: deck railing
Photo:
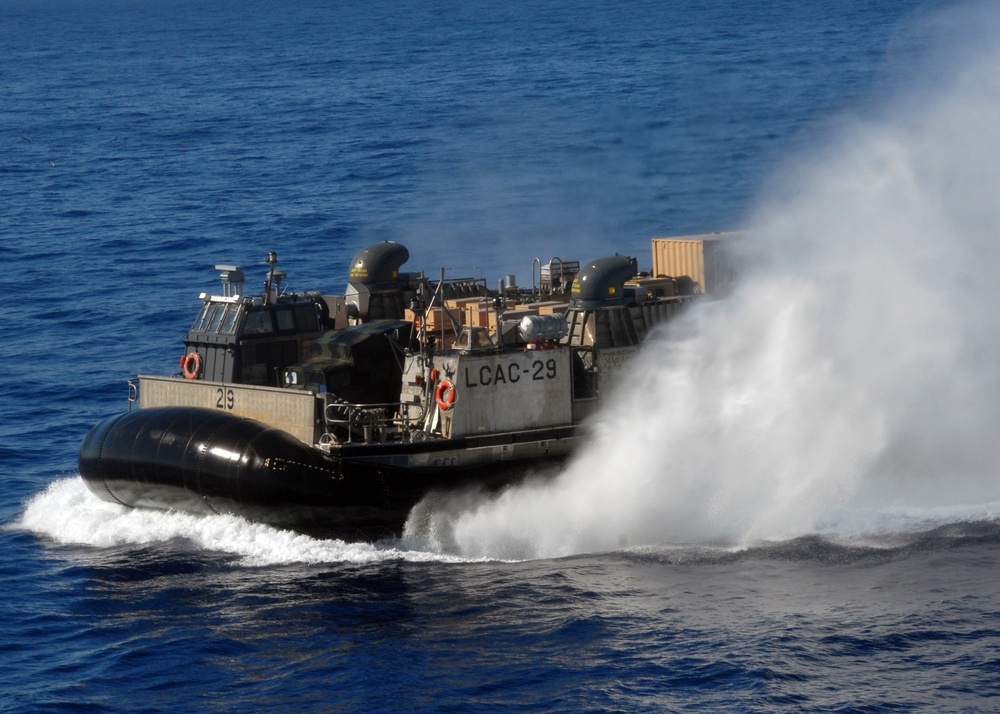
(371, 423)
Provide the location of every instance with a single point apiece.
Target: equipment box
(435, 319)
(708, 259)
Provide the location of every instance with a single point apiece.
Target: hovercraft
(335, 414)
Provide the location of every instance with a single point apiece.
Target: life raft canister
(445, 394)
(191, 365)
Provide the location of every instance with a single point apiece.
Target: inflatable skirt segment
(210, 461)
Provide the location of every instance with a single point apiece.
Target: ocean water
(793, 505)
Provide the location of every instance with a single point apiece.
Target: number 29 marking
(226, 398)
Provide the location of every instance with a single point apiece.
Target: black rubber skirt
(209, 461)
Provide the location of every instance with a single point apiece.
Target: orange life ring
(191, 364)
(445, 394)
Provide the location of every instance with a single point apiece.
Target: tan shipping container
(703, 258)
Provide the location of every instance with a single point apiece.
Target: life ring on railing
(445, 394)
(191, 365)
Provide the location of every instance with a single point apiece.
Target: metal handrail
(368, 423)
(133, 394)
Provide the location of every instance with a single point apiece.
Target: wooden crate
(435, 318)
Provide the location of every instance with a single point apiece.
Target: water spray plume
(852, 382)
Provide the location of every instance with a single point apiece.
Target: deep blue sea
(795, 506)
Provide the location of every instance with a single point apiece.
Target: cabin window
(202, 319)
(305, 318)
(285, 320)
(208, 316)
(229, 326)
(213, 323)
(472, 338)
(258, 323)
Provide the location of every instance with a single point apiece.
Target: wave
(833, 549)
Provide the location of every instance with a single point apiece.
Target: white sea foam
(69, 514)
(852, 382)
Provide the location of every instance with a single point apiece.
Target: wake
(69, 514)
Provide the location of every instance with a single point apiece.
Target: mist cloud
(854, 377)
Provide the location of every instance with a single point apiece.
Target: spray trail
(68, 514)
(851, 385)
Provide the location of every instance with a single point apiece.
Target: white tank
(540, 328)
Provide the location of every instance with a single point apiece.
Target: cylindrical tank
(540, 328)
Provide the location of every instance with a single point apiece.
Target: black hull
(209, 461)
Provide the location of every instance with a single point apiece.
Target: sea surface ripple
(143, 141)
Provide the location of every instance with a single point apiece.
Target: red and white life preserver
(445, 394)
(191, 365)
